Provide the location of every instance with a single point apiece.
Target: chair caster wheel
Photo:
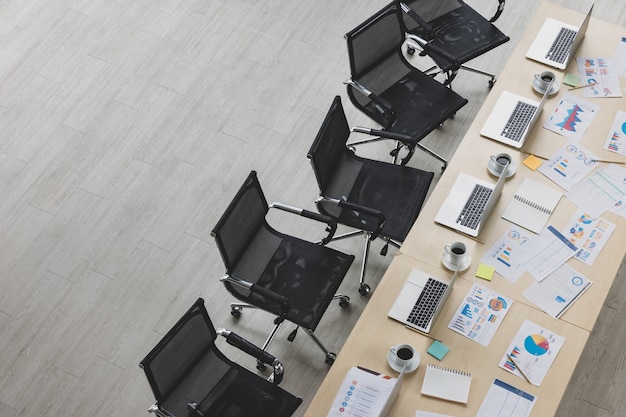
(344, 301)
(260, 366)
(292, 335)
(383, 251)
(410, 50)
(235, 312)
(330, 358)
(491, 83)
(364, 289)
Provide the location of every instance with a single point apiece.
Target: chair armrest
(382, 106)
(405, 139)
(255, 351)
(280, 299)
(361, 209)
(499, 11)
(429, 48)
(332, 224)
(413, 15)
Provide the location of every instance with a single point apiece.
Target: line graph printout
(571, 117)
(504, 400)
(597, 193)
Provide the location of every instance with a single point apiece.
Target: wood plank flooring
(125, 128)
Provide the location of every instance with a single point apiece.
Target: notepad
(447, 384)
(532, 205)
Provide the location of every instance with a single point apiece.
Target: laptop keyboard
(426, 304)
(561, 46)
(519, 120)
(474, 207)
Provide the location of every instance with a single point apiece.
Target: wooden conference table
(374, 332)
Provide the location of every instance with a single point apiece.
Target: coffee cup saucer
(510, 170)
(445, 260)
(555, 87)
(412, 366)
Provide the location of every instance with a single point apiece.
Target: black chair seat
(307, 275)
(454, 31)
(395, 190)
(424, 105)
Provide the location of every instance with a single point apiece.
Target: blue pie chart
(536, 344)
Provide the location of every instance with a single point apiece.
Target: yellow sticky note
(485, 272)
(533, 162)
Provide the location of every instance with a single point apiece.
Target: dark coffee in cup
(546, 78)
(405, 354)
(503, 160)
(458, 251)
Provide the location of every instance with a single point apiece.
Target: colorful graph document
(569, 165)
(597, 193)
(533, 350)
(571, 117)
(590, 235)
(480, 314)
(501, 254)
(558, 291)
(601, 75)
(504, 400)
(365, 393)
(616, 139)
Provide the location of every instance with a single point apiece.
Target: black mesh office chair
(292, 278)
(378, 199)
(189, 376)
(407, 103)
(451, 33)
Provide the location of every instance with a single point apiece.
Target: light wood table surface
(426, 239)
(374, 333)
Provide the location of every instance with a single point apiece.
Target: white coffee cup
(544, 79)
(456, 252)
(404, 354)
(500, 161)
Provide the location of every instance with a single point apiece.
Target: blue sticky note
(438, 350)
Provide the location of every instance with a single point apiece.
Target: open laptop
(557, 42)
(421, 300)
(470, 203)
(513, 118)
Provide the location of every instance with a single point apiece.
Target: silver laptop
(470, 203)
(421, 300)
(513, 118)
(557, 42)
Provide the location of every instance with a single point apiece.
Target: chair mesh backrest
(241, 221)
(430, 10)
(187, 343)
(329, 145)
(376, 61)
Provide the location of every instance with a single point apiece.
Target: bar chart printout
(504, 400)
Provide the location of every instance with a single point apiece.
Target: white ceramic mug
(404, 354)
(456, 251)
(544, 79)
(500, 161)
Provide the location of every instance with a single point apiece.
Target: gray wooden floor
(125, 128)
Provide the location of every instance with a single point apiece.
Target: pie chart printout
(536, 345)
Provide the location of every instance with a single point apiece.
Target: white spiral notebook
(532, 205)
(447, 384)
